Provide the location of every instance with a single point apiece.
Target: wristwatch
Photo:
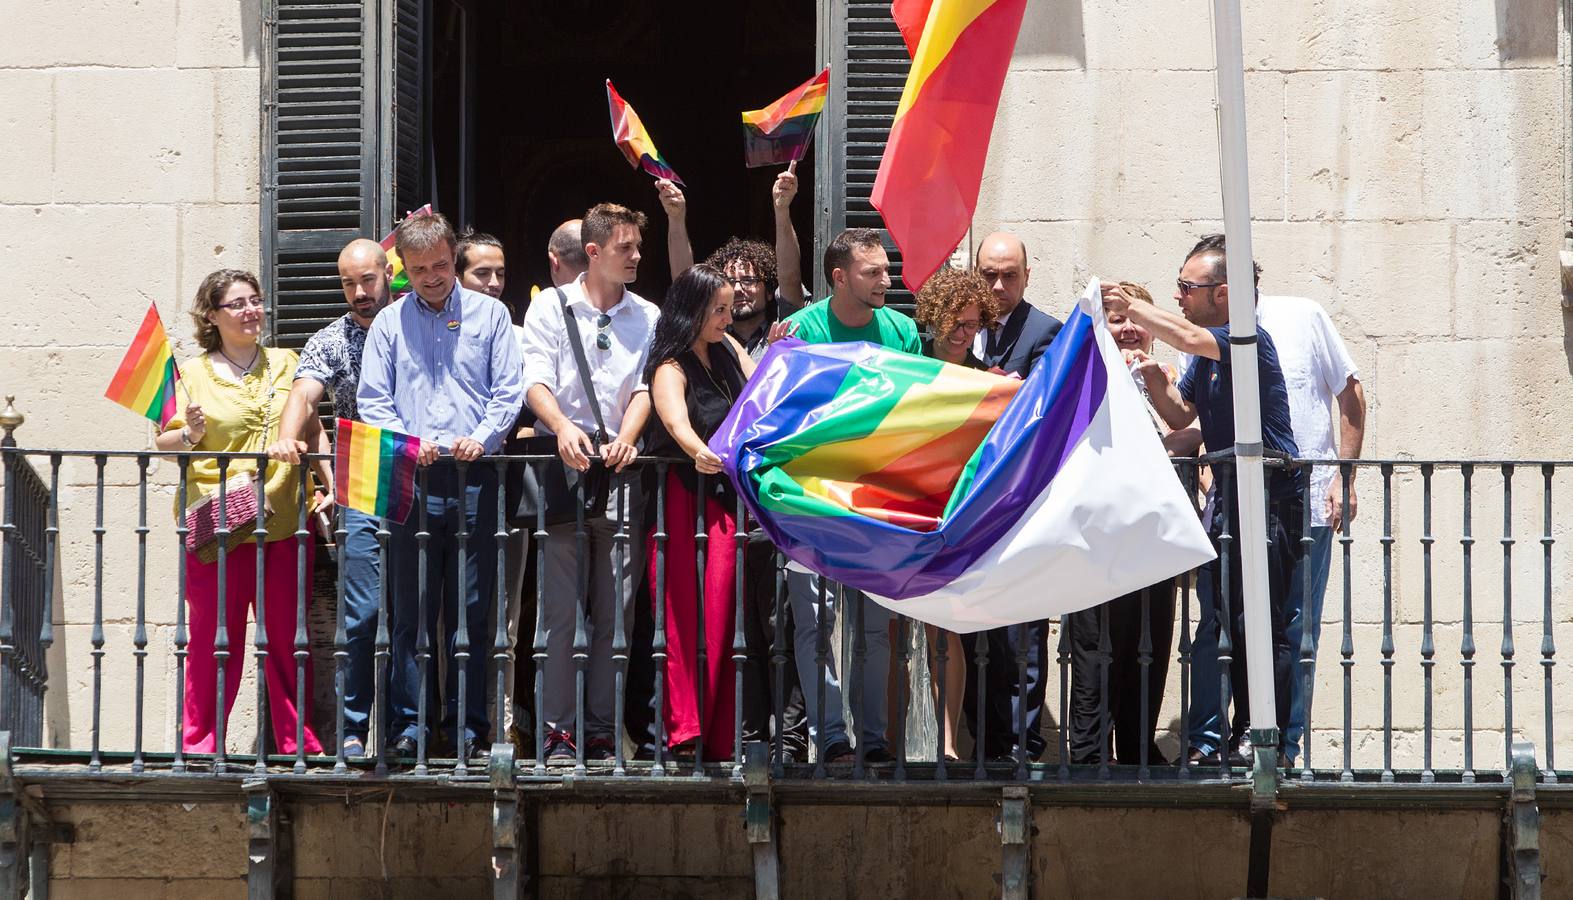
(185, 438)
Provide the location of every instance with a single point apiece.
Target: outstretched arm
(679, 252)
(789, 256)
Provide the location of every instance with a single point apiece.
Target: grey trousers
(608, 582)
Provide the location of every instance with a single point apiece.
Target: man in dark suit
(1023, 334)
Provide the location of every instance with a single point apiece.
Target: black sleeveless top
(710, 395)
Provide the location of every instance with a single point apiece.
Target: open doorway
(519, 137)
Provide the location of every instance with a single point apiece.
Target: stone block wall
(129, 139)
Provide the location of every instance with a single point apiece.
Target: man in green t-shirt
(859, 272)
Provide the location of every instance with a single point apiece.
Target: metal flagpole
(1250, 481)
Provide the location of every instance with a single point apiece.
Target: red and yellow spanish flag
(145, 381)
(927, 187)
(374, 469)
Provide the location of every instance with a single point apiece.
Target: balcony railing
(1414, 609)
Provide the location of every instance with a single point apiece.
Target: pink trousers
(240, 593)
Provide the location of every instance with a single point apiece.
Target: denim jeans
(1305, 606)
(803, 589)
(361, 589)
(1284, 559)
(449, 591)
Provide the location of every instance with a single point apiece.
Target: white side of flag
(1115, 519)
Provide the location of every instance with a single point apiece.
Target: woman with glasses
(696, 371)
(236, 393)
(953, 305)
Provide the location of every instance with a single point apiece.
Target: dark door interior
(520, 139)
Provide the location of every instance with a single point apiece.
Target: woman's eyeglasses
(249, 302)
(603, 334)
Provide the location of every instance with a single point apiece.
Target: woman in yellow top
(236, 394)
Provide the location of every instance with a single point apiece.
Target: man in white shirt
(615, 326)
(1324, 386)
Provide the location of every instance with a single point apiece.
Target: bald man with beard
(330, 364)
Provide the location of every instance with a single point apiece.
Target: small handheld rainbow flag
(629, 133)
(374, 469)
(400, 283)
(780, 132)
(145, 381)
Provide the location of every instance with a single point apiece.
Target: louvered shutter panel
(321, 179)
(876, 70)
(410, 76)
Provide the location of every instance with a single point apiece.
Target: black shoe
(791, 756)
(599, 749)
(404, 747)
(559, 747)
(878, 755)
(839, 752)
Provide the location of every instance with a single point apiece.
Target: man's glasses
(251, 302)
(603, 335)
(744, 281)
(1187, 286)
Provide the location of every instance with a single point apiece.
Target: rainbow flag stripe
(632, 138)
(374, 469)
(145, 381)
(400, 283)
(780, 133)
(893, 473)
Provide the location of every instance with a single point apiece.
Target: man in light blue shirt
(442, 364)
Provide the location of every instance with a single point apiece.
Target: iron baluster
(701, 638)
(1347, 648)
(658, 643)
(1387, 622)
(182, 639)
(97, 761)
(1548, 647)
(461, 628)
(1427, 638)
(1467, 645)
(139, 639)
(739, 639)
(1508, 649)
(621, 555)
(303, 551)
(341, 650)
(422, 634)
(260, 536)
(1307, 625)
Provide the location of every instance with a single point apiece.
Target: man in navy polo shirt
(1206, 391)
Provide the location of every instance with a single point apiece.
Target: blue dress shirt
(443, 375)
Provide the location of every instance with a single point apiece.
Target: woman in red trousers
(695, 373)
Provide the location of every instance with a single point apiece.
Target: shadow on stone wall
(1526, 30)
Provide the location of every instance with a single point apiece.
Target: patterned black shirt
(332, 357)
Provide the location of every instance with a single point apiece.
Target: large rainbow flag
(780, 132)
(629, 132)
(374, 469)
(960, 498)
(145, 381)
(927, 186)
(399, 284)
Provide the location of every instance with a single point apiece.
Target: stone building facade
(1409, 169)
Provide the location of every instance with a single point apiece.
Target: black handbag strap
(601, 437)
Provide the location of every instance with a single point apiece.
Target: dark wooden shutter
(870, 61)
(321, 162)
(411, 67)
